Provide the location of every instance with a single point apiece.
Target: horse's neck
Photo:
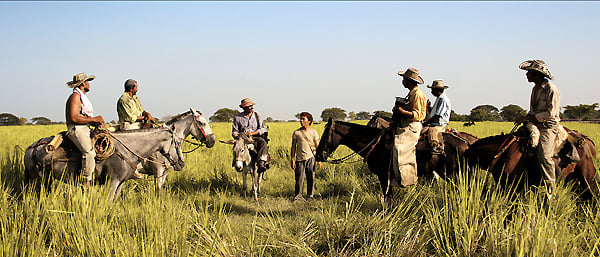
(181, 128)
(355, 141)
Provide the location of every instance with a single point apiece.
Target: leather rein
(370, 145)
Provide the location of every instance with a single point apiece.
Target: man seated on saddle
(544, 113)
(250, 123)
(439, 117)
(79, 117)
(408, 127)
(131, 112)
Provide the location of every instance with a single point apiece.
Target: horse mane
(177, 118)
(138, 130)
(359, 126)
(490, 139)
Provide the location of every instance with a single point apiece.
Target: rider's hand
(293, 165)
(319, 165)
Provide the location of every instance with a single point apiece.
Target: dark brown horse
(374, 145)
(508, 157)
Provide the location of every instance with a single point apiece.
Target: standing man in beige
(305, 141)
(544, 113)
(408, 128)
(80, 115)
(130, 110)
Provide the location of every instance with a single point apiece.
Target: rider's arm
(74, 115)
(293, 152)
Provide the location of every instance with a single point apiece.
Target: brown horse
(508, 156)
(374, 145)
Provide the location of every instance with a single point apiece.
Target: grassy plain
(202, 212)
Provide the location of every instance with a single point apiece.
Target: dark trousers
(306, 169)
(262, 149)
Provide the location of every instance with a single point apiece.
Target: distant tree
(511, 112)
(581, 112)
(297, 116)
(8, 119)
(485, 112)
(383, 114)
(363, 116)
(269, 119)
(224, 115)
(41, 121)
(351, 116)
(334, 113)
(22, 121)
(458, 117)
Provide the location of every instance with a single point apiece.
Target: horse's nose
(210, 141)
(239, 165)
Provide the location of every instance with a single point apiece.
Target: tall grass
(202, 211)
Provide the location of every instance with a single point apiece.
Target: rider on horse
(250, 123)
(439, 117)
(544, 113)
(79, 116)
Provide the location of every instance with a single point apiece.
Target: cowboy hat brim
(74, 84)
(418, 80)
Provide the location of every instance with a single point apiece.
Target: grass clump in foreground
(202, 212)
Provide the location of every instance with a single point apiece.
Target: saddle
(60, 148)
(565, 144)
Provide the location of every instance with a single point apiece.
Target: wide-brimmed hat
(246, 102)
(413, 74)
(536, 65)
(437, 84)
(79, 78)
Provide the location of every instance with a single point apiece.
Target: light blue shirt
(442, 108)
(241, 122)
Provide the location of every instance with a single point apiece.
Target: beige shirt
(417, 103)
(545, 102)
(305, 146)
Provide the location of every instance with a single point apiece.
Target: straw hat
(413, 74)
(437, 84)
(246, 102)
(536, 65)
(79, 78)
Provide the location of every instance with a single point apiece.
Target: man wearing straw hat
(408, 129)
(250, 123)
(439, 117)
(80, 115)
(544, 113)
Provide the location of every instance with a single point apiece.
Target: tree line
(582, 112)
(486, 112)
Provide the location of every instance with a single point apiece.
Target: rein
(173, 142)
(198, 145)
(371, 144)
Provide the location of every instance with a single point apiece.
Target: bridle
(195, 123)
(344, 159)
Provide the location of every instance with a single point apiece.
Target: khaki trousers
(131, 125)
(404, 153)
(80, 136)
(545, 150)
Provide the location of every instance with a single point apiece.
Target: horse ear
(229, 142)
(194, 112)
(329, 120)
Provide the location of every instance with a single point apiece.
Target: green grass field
(202, 211)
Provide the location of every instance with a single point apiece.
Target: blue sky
(290, 57)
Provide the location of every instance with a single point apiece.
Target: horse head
(201, 130)
(173, 152)
(242, 146)
(328, 142)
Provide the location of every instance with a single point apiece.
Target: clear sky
(290, 57)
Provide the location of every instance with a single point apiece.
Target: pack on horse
(374, 145)
(509, 156)
(118, 155)
(191, 122)
(244, 160)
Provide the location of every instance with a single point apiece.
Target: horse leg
(255, 183)
(386, 190)
(115, 189)
(245, 184)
